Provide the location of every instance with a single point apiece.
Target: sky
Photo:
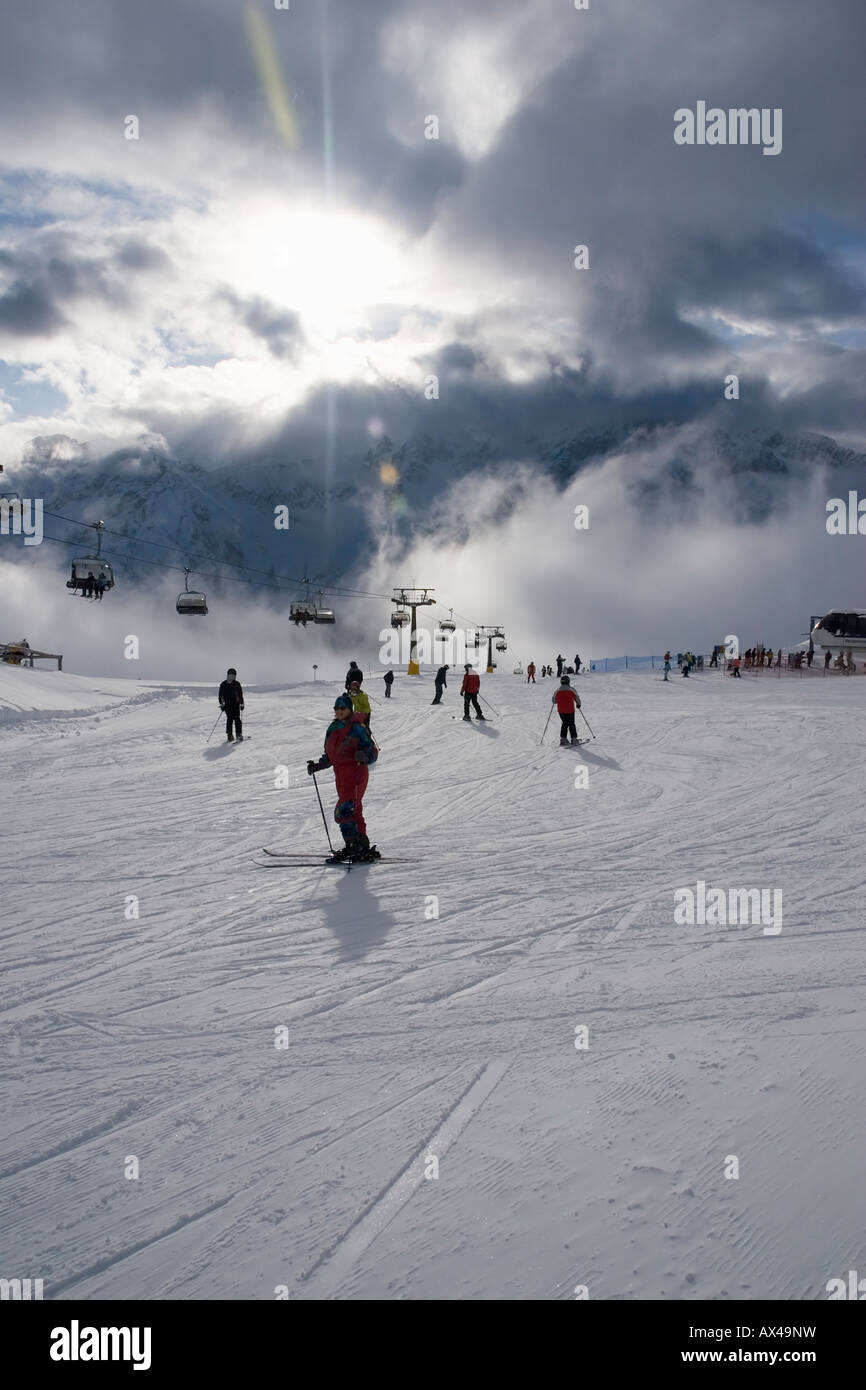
(281, 259)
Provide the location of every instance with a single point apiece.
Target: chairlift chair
(399, 618)
(86, 565)
(302, 612)
(448, 624)
(324, 615)
(190, 602)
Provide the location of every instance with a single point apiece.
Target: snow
(411, 1035)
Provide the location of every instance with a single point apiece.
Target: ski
(277, 863)
(311, 854)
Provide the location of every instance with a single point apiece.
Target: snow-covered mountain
(225, 513)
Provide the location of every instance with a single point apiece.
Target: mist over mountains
(385, 498)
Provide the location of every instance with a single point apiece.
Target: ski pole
(213, 730)
(322, 809)
(488, 704)
(586, 722)
(545, 727)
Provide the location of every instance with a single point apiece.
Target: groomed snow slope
(411, 1035)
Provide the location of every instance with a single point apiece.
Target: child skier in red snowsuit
(566, 701)
(349, 750)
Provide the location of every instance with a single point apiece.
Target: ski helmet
(467, 667)
(231, 671)
(563, 680)
(343, 702)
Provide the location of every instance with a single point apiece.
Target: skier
(530, 673)
(231, 698)
(686, 664)
(360, 702)
(440, 684)
(469, 690)
(826, 660)
(349, 750)
(577, 663)
(560, 662)
(354, 673)
(389, 681)
(667, 664)
(737, 668)
(566, 701)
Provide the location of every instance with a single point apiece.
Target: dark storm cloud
(41, 282)
(28, 311)
(279, 328)
(136, 254)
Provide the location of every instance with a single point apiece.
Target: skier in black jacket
(354, 673)
(231, 698)
(440, 684)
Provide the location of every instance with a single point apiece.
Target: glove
(223, 708)
(241, 706)
(312, 767)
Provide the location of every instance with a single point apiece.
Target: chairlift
(90, 573)
(400, 617)
(448, 624)
(323, 615)
(502, 646)
(189, 601)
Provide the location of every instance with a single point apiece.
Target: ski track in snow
(304, 1167)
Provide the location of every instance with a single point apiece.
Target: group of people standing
(548, 670)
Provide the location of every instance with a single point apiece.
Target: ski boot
(563, 743)
(230, 738)
(362, 851)
(466, 719)
(481, 717)
(341, 855)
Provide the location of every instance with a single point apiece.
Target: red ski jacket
(471, 683)
(567, 701)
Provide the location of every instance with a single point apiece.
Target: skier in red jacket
(566, 701)
(530, 673)
(349, 750)
(469, 690)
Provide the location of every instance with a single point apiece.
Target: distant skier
(469, 690)
(737, 667)
(686, 664)
(360, 702)
(349, 750)
(560, 662)
(827, 661)
(530, 673)
(566, 701)
(577, 664)
(231, 698)
(440, 684)
(354, 673)
(389, 681)
(667, 664)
